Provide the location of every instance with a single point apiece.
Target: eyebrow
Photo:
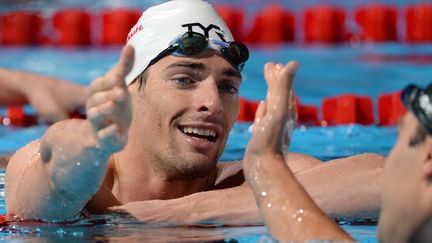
(191, 65)
(232, 73)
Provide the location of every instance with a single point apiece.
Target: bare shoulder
(229, 174)
(23, 157)
(18, 166)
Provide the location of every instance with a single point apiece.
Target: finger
(260, 112)
(279, 80)
(100, 115)
(124, 64)
(103, 84)
(110, 137)
(116, 94)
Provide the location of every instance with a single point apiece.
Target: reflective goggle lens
(193, 43)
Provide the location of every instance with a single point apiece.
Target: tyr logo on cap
(206, 30)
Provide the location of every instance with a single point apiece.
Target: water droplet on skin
(283, 208)
(269, 205)
(298, 215)
(263, 194)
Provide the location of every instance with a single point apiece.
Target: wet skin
(407, 193)
(138, 147)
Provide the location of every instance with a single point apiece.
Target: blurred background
(355, 56)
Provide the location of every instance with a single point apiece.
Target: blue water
(363, 69)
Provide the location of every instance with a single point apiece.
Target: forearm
(346, 188)
(288, 211)
(233, 206)
(73, 163)
(12, 89)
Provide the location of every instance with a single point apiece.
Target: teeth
(199, 131)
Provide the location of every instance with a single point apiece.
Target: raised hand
(109, 107)
(275, 117)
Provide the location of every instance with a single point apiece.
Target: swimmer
(50, 97)
(291, 214)
(157, 123)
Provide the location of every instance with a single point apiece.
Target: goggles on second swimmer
(192, 43)
(419, 102)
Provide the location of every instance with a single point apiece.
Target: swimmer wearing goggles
(419, 102)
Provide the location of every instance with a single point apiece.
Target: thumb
(124, 64)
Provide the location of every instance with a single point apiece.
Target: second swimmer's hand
(275, 117)
(109, 107)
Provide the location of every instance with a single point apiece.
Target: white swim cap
(160, 25)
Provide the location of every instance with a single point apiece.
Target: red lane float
(116, 24)
(234, 18)
(347, 109)
(324, 24)
(390, 108)
(306, 114)
(273, 25)
(378, 22)
(16, 116)
(419, 23)
(73, 27)
(247, 110)
(21, 28)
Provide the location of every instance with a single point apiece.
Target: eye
(183, 82)
(231, 89)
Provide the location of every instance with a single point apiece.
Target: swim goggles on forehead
(192, 43)
(419, 102)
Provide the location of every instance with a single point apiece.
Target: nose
(208, 99)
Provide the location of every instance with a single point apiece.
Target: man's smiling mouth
(202, 133)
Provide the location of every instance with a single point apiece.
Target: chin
(192, 165)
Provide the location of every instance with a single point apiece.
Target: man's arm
(342, 188)
(50, 97)
(287, 209)
(52, 179)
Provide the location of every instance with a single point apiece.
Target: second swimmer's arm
(54, 180)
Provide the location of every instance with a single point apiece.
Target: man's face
(184, 111)
(403, 205)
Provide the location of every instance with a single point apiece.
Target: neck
(137, 177)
